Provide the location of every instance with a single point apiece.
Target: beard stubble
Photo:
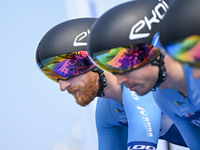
(87, 93)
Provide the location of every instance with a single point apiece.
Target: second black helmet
(130, 23)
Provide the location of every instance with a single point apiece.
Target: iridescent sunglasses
(186, 50)
(123, 59)
(66, 66)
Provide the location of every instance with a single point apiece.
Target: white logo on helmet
(157, 16)
(80, 37)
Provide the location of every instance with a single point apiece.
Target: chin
(142, 92)
(84, 100)
(83, 103)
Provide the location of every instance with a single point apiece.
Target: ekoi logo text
(158, 13)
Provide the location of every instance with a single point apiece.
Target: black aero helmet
(62, 52)
(180, 31)
(69, 36)
(130, 23)
(123, 38)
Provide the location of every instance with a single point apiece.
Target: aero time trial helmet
(123, 38)
(180, 32)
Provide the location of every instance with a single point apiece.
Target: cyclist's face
(141, 80)
(84, 87)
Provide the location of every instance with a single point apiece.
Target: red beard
(87, 93)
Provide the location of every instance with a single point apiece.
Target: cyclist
(128, 50)
(62, 57)
(181, 39)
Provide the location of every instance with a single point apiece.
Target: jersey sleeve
(110, 134)
(170, 133)
(189, 132)
(144, 119)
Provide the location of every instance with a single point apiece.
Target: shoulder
(162, 97)
(162, 93)
(108, 112)
(104, 108)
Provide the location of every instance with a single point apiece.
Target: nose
(121, 79)
(64, 85)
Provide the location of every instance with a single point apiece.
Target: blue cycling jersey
(133, 125)
(197, 84)
(184, 112)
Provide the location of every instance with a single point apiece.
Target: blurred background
(34, 114)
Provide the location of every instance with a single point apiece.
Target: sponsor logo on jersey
(141, 146)
(194, 118)
(196, 98)
(123, 120)
(177, 103)
(119, 111)
(195, 94)
(142, 110)
(185, 109)
(134, 95)
(196, 122)
(125, 124)
(146, 121)
(158, 13)
(197, 102)
(121, 117)
(78, 39)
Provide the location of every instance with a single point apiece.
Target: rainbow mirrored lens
(66, 66)
(124, 59)
(186, 51)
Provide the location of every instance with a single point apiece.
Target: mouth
(76, 92)
(133, 87)
(73, 92)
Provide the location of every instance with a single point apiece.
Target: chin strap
(102, 81)
(162, 75)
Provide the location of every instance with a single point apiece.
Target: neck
(196, 72)
(175, 76)
(113, 90)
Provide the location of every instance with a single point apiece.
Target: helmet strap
(162, 74)
(102, 81)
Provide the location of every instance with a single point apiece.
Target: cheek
(137, 75)
(81, 82)
(152, 71)
(147, 75)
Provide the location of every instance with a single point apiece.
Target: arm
(144, 118)
(170, 133)
(111, 136)
(189, 132)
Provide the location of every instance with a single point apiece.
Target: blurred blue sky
(34, 114)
